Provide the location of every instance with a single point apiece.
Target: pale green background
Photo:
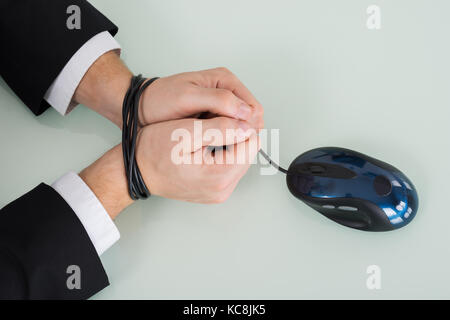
(324, 79)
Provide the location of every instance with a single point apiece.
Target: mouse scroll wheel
(315, 169)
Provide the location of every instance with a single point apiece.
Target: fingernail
(244, 112)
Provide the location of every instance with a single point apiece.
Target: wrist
(104, 85)
(106, 178)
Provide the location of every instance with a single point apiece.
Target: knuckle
(261, 123)
(259, 109)
(221, 197)
(224, 70)
(227, 74)
(221, 184)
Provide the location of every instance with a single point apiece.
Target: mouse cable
(271, 162)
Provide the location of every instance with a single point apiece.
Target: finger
(230, 173)
(244, 153)
(241, 170)
(225, 174)
(232, 158)
(238, 157)
(220, 102)
(219, 131)
(225, 79)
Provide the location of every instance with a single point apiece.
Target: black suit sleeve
(40, 237)
(36, 43)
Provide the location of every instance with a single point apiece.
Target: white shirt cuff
(61, 91)
(98, 224)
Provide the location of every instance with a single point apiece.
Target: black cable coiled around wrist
(130, 116)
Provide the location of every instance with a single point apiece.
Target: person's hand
(205, 176)
(215, 92)
(190, 168)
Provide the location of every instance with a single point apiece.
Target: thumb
(221, 102)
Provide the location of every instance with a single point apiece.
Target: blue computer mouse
(353, 189)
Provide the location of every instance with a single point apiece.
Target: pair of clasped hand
(171, 103)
